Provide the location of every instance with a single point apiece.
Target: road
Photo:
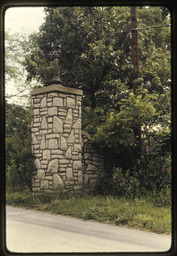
(34, 231)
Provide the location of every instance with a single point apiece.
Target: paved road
(33, 231)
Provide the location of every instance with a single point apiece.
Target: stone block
(52, 111)
(63, 143)
(69, 174)
(36, 125)
(69, 117)
(58, 125)
(37, 100)
(36, 120)
(37, 163)
(46, 154)
(44, 166)
(79, 98)
(44, 162)
(63, 161)
(75, 157)
(38, 155)
(42, 132)
(57, 156)
(62, 95)
(44, 184)
(70, 102)
(52, 136)
(80, 178)
(34, 139)
(43, 112)
(87, 156)
(67, 127)
(40, 174)
(77, 124)
(53, 166)
(71, 137)
(44, 123)
(68, 154)
(86, 178)
(77, 147)
(36, 189)
(77, 165)
(57, 181)
(36, 129)
(57, 102)
(53, 143)
(42, 145)
(43, 102)
(53, 94)
(49, 177)
(37, 105)
(50, 120)
(91, 167)
(57, 152)
(36, 111)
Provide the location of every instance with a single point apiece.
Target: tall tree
(95, 48)
(90, 52)
(15, 74)
(95, 55)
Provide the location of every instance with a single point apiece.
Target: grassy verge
(141, 213)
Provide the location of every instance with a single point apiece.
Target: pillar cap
(56, 88)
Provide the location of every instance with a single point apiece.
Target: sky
(22, 20)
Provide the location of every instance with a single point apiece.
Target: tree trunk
(137, 131)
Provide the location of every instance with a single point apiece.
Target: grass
(141, 213)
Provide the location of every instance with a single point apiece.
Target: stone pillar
(56, 138)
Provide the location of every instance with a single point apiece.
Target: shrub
(21, 199)
(19, 158)
(151, 174)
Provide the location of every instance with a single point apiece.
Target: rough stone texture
(56, 127)
(53, 166)
(64, 157)
(92, 163)
(57, 181)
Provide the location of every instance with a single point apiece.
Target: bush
(19, 158)
(150, 173)
(21, 199)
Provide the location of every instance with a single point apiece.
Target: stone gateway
(64, 158)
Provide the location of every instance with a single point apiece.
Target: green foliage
(135, 111)
(48, 196)
(95, 55)
(150, 172)
(24, 199)
(19, 158)
(95, 50)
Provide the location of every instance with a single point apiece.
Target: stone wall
(63, 158)
(92, 163)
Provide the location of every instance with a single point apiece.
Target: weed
(146, 213)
